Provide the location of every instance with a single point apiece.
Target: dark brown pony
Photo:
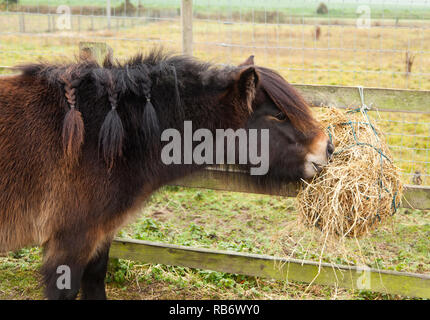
(80, 148)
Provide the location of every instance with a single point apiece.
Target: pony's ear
(247, 82)
(248, 62)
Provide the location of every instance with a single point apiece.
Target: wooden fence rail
(402, 283)
(415, 197)
(386, 100)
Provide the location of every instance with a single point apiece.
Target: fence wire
(336, 42)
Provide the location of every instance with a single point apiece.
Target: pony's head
(298, 146)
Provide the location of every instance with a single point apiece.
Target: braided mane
(114, 80)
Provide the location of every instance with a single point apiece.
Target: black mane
(132, 74)
(158, 83)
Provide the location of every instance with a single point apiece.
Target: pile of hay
(361, 186)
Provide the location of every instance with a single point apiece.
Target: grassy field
(402, 10)
(343, 55)
(242, 223)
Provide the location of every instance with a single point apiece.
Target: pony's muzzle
(319, 155)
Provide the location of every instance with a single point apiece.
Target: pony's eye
(281, 116)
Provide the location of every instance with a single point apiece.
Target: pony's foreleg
(93, 279)
(65, 259)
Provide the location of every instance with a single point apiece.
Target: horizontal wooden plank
(407, 284)
(392, 100)
(415, 197)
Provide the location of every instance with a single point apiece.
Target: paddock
(380, 59)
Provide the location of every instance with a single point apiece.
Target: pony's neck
(205, 103)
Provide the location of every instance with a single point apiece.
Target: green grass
(19, 276)
(293, 8)
(242, 223)
(262, 224)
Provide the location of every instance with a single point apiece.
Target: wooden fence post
(53, 21)
(94, 51)
(21, 23)
(49, 23)
(187, 26)
(108, 13)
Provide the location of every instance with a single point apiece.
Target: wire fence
(337, 42)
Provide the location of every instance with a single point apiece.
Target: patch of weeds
(369, 295)
(118, 271)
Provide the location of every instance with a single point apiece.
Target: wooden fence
(402, 283)
(407, 284)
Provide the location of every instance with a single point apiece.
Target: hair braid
(73, 125)
(150, 119)
(111, 135)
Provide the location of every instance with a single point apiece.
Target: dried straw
(360, 187)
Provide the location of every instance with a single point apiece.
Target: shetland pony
(80, 148)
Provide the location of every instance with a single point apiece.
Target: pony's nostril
(330, 149)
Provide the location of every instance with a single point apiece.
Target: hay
(360, 188)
